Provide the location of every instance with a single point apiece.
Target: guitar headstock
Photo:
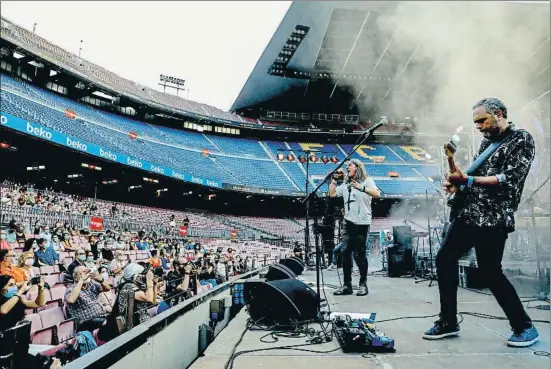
(450, 148)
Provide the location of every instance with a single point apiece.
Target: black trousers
(489, 244)
(354, 245)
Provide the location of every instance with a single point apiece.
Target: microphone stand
(306, 201)
(530, 202)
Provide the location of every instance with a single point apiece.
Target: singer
(357, 190)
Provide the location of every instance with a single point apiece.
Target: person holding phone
(13, 303)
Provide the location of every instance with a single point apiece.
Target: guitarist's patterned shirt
(495, 206)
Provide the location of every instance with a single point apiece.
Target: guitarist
(483, 220)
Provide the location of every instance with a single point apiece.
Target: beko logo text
(76, 145)
(107, 154)
(3, 119)
(178, 175)
(157, 169)
(196, 180)
(40, 132)
(134, 162)
(212, 184)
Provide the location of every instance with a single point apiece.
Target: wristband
(470, 181)
(363, 189)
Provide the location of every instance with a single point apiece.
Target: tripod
(432, 276)
(537, 247)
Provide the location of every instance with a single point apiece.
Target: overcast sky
(213, 45)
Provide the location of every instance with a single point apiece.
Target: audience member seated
(8, 269)
(154, 260)
(82, 298)
(106, 298)
(26, 261)
(138, 288)
(117, 266)
(46, 253)
(80, 259)
(90, 263)
(67, 243)
(4, 243)
(45, 234)
(178, 283)
(12, 302)
(56, 244)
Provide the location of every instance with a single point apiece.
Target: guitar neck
(451, 164)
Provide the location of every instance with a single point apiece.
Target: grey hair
(492, 105)
(361, 172)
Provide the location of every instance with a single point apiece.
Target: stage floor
(482, 343)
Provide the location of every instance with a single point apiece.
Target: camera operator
(12, 302)
(357, 190)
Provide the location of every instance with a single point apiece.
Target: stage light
(291, 157)
(325, 159)
(150, 180)
(280, 156)
(302, 159)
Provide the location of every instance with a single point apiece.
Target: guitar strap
(488, 152)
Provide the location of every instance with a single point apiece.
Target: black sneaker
(344, 290)
(362, 290)
(441, 329)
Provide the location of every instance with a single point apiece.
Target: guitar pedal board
(360, 335)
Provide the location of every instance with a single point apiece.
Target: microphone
(381, 123)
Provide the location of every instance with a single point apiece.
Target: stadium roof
(321, 48)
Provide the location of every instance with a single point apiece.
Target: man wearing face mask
(484, 221)
(46, 254)
(46, 234)
(82, 298)
(357, 191)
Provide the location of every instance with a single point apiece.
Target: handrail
(116, 349)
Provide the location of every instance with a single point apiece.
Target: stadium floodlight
(112, 181)
(36, 168)
(134, 187)
(150, 180)
(74, 175)
(89, 166)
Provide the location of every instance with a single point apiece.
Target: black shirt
(14, 316)
(495, 206)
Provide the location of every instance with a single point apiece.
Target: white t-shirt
(357, 204)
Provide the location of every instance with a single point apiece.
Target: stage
(482, 343)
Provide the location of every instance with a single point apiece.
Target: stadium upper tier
(58, 56)
(234, 161)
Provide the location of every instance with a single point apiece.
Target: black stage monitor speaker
(402, 237)
(280, 302)
(279, 271)
(400, 261)
(299, 260)
(293, 264)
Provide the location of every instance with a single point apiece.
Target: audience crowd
(75, 289)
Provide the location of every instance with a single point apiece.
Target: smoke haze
(466, 50)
